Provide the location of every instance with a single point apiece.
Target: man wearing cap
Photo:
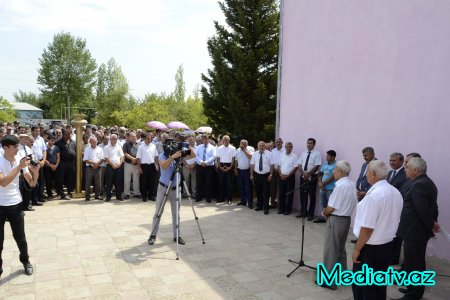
(40, 151)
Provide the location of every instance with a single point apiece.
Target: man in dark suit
(417, 222)
(361, 184)
(396, 176)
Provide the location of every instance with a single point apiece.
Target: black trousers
(309, 189)
(285, 186)
(398, 241)
(262, 187)
(25, 192)
(14, 214)
(147, 183)
(50, 180)
(376, 257)
(274, 188)
(65, 175)
(113, 177)
(205, 182)
(414, 255)
(225, 184)
(92, 174)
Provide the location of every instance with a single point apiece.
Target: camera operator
(167, 162)
(10, 199)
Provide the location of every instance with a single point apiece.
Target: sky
(149, 39)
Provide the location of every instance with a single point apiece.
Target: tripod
(178, 175)
(301, 263)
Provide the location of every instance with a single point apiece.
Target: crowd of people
(391, 207)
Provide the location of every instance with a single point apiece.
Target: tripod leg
(193, 210)
(161, 208)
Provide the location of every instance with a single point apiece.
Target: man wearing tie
(225, 160)
(397, 176)
(206, 155)
(361, 184)
(261, 170)
(308, 164)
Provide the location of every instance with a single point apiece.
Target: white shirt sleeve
(369, 214)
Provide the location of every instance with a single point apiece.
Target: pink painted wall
(359, 73)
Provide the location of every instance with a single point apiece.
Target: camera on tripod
(33, 162)
(171, 146)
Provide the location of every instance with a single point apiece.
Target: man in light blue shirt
(206, 155)
(326, 182)
(168, 163)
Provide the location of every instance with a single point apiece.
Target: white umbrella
(204, 129)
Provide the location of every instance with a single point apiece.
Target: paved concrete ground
(98, 250)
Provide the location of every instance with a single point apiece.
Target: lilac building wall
(359, 73)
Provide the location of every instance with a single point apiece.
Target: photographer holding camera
(11, 165)
(168, 161)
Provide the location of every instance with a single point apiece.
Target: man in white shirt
(93, 158)
(131, 170)
(261, 171)
(189, 172)
(376, 223)
(341, 205)
(287, 166)
(206, 156)
(274, 184)
(225, 162)
(11, 165)
(40, 151)
(308, 164)
(26, 192)
(147, 161)
(114, 157)
(242, 170)
(105, 142)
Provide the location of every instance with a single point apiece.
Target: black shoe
(280, 212)
(65, 197)
(151, 240)
(273, 206)
(29, 208)
(258, 209)
(119, 198)
(137, 196)
(403, 290)
(318, 220)
(310, 218)
(240, 203)
(180, 240)
(220, 201)
(266, 212)
(209, 201)
(38, 204)
(144, 199)
(126, 197)
(300, 215)
(108, 198)
(331, 287)
(287, 213)
(250, 206)
(87, 199)
(28, 268)
(354, 241)
(198, 200)
(99, 198)
(152, 198)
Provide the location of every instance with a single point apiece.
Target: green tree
(7, 113)
(180, 87)
(112, 96)
(239, 94)
(67, 74)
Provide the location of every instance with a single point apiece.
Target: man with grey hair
(341, 205)
(261, 170)
(131, 169)
(417, 222)
(93, 158)
(376, 222)
(114, 157)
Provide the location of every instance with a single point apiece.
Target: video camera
(33, 162)
(171, 146)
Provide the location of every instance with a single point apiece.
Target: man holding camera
(11, 165)
(167, 162)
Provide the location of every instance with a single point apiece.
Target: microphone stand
(301, 263)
